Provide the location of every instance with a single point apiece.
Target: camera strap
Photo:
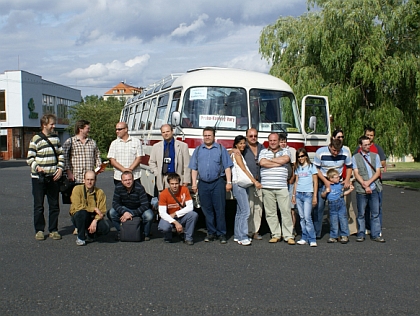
(42, 135)
(176, 200)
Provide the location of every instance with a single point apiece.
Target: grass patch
(409, 183)
(403, 166)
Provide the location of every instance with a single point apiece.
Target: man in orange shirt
(176, 210)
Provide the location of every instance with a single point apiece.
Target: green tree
(364, 55)
(102, 115)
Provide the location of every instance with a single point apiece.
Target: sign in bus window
(217, 121)
(198, 94)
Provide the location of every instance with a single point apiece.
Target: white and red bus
(231, 100)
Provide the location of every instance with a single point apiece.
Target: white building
(24, 99)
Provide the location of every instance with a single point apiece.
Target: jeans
(147, 218)
(304, 205)
(318, 210)
(187, 221)
(371, 200)
(49, 188)
(213, 203)
(82, 220)
(338, 218)
(367, 212)
(255, 206)
(240, 231)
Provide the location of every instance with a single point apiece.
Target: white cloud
(93, 45)
(183, 29)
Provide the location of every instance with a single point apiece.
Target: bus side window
(152, 114)
(174, 105)
(144, 115)
(162, 106)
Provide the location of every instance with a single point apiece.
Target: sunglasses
(253, 136)
(302, 156)
(342, 137)
(119, 129)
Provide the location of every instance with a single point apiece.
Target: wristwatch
(229, 182)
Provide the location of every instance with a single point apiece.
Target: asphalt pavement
(154, 278)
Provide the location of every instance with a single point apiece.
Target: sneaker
(332, 240)
(378, 239)
(274, 240)
(189, 242)
(55, 236)
(40, 236)
(209, 238)
(344, 239)
(313, 244)
(291, 241)
(89, 238)
(147, 238)
(222, 239)
(367, 232)
(168, 241)
(360, 239)
(236, 239)
(257, 236)
(80, 242)
(301, 242)
(245, 242)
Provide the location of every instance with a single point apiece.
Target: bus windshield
(221, 107)
(273, 111)
(227, 108)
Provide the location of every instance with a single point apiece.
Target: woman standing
(241, 194)
(305, 193)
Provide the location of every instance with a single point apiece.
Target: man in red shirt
(176, 210)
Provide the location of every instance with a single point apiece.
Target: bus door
(316, 123)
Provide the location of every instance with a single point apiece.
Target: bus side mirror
(312, 123)
(176, 119)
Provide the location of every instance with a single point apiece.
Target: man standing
(81, 153)
(169, 156)
(87, 210)
(210, 163)
(250, 154)
(130, 200)
(176, 210)
(125, 153)
(333, 156)
(275, 189)
(367, 170)
(45, 157)
(374, 148)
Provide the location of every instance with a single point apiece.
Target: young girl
(304, 195)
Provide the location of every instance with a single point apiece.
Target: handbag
(131, 230)
(241, 177)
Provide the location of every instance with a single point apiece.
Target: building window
(2, 106)
(48, 104)
(3, 142)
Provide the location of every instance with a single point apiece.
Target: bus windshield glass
(227, 108)
(220, 107)
(273, 111)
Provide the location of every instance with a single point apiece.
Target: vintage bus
(231, 100)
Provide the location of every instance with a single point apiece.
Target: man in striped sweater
(45, 157)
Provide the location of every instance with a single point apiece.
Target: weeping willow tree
(362, 54)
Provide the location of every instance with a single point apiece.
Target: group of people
(274, 183)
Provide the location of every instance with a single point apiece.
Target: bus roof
(216, 77)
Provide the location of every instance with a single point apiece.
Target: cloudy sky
(93, 45)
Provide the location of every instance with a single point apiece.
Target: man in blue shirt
(210, 164)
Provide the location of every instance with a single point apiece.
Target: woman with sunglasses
(304, 195)
(241, 194)
(351, 215)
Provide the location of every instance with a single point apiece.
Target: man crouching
(87, 210)
(176, 209)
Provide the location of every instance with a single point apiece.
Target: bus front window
(273, 111)
(221, 107)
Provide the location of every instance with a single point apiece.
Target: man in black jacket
(130, 200)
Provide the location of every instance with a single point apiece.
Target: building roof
(122, 89)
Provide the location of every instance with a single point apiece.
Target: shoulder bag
(241, 177)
